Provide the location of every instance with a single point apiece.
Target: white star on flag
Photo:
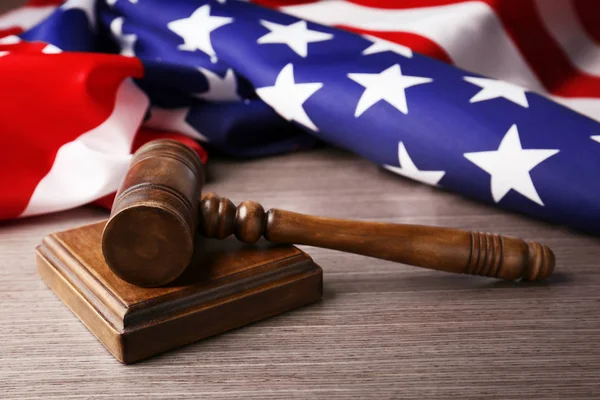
(126, 40)
(380, 45)
(173, 119)
(287, 97)
(493, 89)
(297, 36)
(509, 166)
(196, 29)
(596, 138)
(409, 169)
(388, 85)
(87, 6)
(219, 89)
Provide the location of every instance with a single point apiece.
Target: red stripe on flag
(417, 43)
(145, 135)
(10, 31)
(52, 99)
(44, 3)
(588, 12)
(281, 3)
(385, 4)
(542, 53)
(397, 5)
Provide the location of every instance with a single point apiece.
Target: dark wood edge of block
(80, 306)
(144, 313)
(248, 307)
(72, 269)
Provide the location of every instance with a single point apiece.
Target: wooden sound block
(226, 286)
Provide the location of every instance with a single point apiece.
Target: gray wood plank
(382, 330)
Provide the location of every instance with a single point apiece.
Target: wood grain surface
(382, 331)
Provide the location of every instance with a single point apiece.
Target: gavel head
(149, 237)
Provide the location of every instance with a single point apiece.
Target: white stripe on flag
(94, 164)
(25, 17)
(561, 21)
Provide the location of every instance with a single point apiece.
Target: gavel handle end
(541, 262)
(509, 258)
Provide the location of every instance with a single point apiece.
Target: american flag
(497, 100)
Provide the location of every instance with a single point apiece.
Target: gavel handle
(443, 249)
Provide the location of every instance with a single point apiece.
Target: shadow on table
(442, 281)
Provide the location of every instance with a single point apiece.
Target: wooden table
(382, 330)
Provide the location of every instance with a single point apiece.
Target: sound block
(227, 285)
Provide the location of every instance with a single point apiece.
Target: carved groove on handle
(219, 218)
(487, 253)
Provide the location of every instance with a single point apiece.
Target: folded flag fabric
(499, 116)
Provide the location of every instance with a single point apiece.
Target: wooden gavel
(149, 238)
